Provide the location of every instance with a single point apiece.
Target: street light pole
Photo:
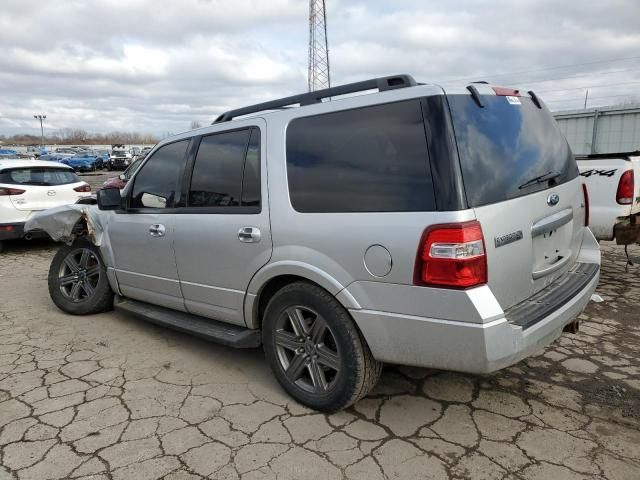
(41, 118)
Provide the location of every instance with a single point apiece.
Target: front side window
(156, 184)
(371, 159)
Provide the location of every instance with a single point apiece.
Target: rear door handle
(157, 230)
(249, 235)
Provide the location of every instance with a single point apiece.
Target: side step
(212, 330)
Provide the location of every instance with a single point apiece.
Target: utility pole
(586, 97)
(41, 118)
(319, 76)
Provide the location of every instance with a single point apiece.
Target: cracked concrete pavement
(111, 397)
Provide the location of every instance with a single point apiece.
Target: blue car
(82, 162)
(5, 152)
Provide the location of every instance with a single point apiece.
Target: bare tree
(195, 124)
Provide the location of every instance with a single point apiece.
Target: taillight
(624, 196)
(452, 256)
(85, 187)
(585, 193)
(10, 191)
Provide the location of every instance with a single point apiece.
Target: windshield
(42, 176)
(507, 144)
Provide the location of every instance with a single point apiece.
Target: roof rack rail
(381, 84)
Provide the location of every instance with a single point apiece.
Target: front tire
(315, 349)
(78, 279)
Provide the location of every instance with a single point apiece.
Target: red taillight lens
(10, 191)
(85, 187)
(585, 192)
(452, 256)
(625, 188)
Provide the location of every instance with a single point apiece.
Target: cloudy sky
(154, 66)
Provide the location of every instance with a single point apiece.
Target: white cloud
(155, 65)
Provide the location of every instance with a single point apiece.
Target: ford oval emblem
(553, 199)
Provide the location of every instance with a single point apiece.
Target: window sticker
(513, 100)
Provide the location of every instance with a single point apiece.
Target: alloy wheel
(307, 350)
(79, 275)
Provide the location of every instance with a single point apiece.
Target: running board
(212, 330)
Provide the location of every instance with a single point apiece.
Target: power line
(585, 74)
(574, 99)
(590, 86)
(543, 69)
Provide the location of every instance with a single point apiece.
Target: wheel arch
(275, 276)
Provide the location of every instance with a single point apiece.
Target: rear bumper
(627, 232)
(495, 343)
(12, 231)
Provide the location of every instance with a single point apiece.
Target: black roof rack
(381, 84)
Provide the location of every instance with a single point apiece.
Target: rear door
(522, 181)
(223, 235)
(44, 187)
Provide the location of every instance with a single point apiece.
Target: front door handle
(157, 230)
(249, 235)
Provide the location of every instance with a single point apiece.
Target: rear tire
(78, 279)
(315, 350)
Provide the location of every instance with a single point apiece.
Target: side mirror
(109, 199)
(122, 176)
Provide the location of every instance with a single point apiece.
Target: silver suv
(416, 225)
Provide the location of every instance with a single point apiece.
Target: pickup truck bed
(613, 186)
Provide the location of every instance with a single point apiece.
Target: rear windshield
(506, 144)
(42, 176)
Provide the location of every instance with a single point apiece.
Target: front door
(223, 235)
(142, 235)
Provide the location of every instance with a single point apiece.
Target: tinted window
(503, 145)
(43, 176)
(372, 159)
(156, 183)
(217, 173)
(251, 178)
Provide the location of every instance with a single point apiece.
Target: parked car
(417, 225)
(611, 181)
(102, 158)
(28, 186)
(81, 162)
(121, 180)
(6, 152)
(119, 159)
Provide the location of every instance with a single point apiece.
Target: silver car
(414, 224)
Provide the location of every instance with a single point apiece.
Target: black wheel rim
(79, 275)
(307, 350)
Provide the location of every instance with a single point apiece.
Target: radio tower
(319, 76)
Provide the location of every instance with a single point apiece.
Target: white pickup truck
(613, 193)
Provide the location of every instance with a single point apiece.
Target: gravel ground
(111, 397)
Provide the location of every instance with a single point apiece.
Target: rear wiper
(545, 177)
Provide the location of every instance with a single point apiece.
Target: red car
(121, 180)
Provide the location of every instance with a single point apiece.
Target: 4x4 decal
(602, 173)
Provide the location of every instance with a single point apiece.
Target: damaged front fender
(65, 223)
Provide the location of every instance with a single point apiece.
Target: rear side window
(39, 176)
(156, 183)
(372, 159)
(506, 144)
(217, 173)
